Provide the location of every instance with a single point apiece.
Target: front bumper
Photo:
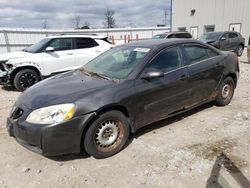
(4, 78)
(50, 140)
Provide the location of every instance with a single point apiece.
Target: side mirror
(223, 38)
(49, 49)
(150, 74)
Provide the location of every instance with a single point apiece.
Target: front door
(59, 60)
(159, 97)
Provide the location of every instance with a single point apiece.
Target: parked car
(175, 34)
(50, 56)
(97, 106)
(228, 41)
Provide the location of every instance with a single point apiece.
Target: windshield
(117, 63)
(209, 36)
(35, 48)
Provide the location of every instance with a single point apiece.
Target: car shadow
(168, 121)
(9, 88)
(69, 157)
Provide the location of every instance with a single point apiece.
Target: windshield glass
(35, 48)
(209, 36)
(117, 63)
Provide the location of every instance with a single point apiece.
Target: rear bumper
(50, 140)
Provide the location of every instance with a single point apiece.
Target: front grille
(17, 113)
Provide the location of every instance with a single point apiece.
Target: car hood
(64, 88)
(14, 55)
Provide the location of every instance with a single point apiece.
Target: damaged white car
(50, 56)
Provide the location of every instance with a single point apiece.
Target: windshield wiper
(98, 75)
(89, 73)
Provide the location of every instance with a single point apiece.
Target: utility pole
(165, 17)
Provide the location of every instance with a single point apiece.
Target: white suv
(50, 56)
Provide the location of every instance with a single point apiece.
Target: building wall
(220, 13)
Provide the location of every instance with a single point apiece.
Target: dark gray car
(227, 41)
(174, 34)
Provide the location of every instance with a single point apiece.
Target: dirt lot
(179, 152)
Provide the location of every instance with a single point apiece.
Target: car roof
(77, 36)
(159, 42)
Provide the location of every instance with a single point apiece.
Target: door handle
(184, 77)
(69, 53)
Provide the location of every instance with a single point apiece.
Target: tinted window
(211, 53)
(226, 36)
(84, 43)
(171, 36)
(233, 35)
(167, 60)
(61, 44)
(197, 53)
(182, 35)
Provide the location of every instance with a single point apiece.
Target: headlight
(52, 114)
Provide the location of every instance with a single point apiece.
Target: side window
(171, 36)
(211, 53)
(61, 44)
(226, 36)
(167, 60)
(81, 43)
(196, 53)
(233, 35)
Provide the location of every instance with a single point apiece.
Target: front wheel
(107, 135)
(240, 50)
(25, 78)
(225, 92)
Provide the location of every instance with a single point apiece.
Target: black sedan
(96, 107)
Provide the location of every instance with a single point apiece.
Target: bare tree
(44, 24)
(77, 21)
(109, 19)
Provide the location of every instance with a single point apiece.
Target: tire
(225, 92)
(107, 135)
(25, 78)
(240, 50)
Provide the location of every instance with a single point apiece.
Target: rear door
(159, 97)
(85, 50)
(234, 41)
(205, 67)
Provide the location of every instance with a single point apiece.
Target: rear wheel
(107, 135)
(25, 78)
(225, 92)
(240, 50)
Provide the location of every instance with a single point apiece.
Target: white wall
(220, 13)
(17, 39)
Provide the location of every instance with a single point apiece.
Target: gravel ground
(178, 152)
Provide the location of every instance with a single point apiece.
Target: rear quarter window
(197, 53)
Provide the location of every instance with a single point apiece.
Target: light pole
(171, 15)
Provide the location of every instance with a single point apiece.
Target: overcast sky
(60, 13)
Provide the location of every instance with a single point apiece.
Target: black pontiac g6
(95, 108)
